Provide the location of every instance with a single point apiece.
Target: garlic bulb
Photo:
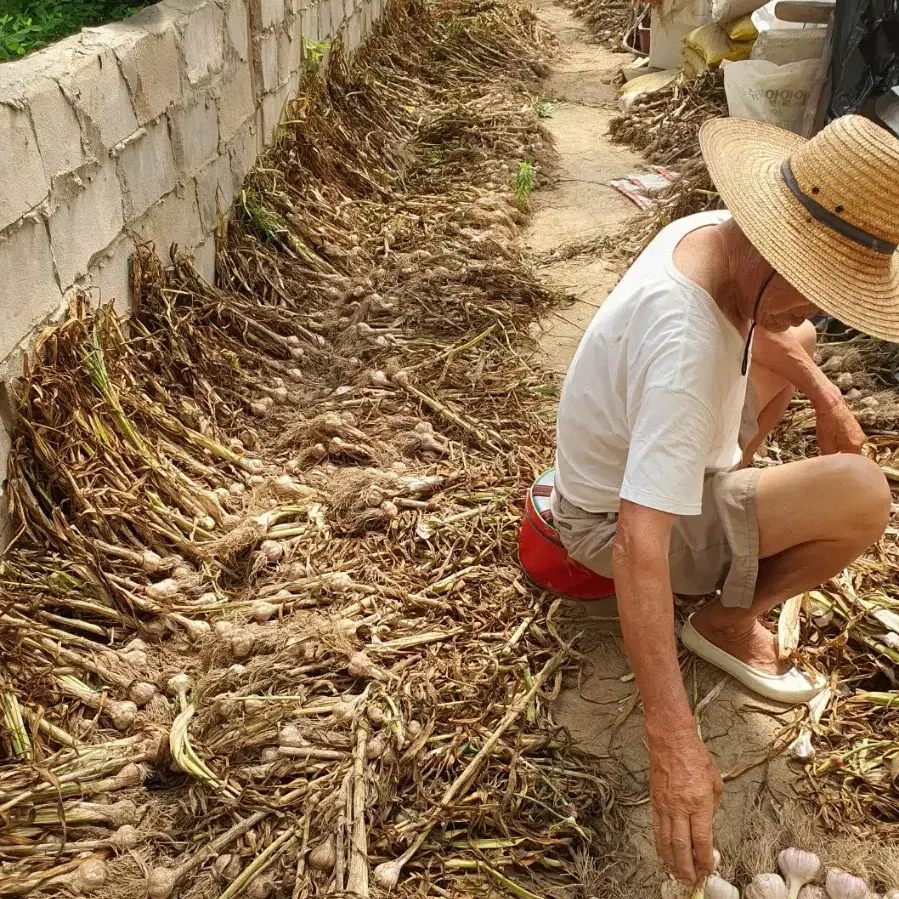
(842, 885)
(344, 711)
(802, 747)
(178, 685)
(387, 874)
(360, 665)
(262, 611)
(260, 887)
(798, 868)
(290, 736)
(126, 837)
(891, 894)
(376, 747)
(812, 891)
(165, 589)
(122, 714)
(323, 857)
(718, 888)
(242, 644)
(767, 886)
(272, 550)
(89, 877)
(161, 883)
(140, 693)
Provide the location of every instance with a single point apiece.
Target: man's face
(783, 306)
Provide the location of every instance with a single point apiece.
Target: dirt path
(603, 713)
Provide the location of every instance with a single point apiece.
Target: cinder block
(336, 16)
(353, 34)
(293, 86)
(242, 152)
(32, 83)
(309, 24)
(237, 28)
(323, 11)
(272, 105)
(290, 55)
(215, 191)
(204, 259)
(109, 276)
(146, 169)
(203, 40)
(86, 219)
(96, 88)
(173, 220)
(23, 182)
(57, 128)
(267, 60)
(29, 291)
(267, 13)
(151, 62)
(235, 105)
(195, 133)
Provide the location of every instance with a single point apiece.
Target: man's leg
(773, 392)
(814, 518)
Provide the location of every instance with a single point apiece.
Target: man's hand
(838, 431)
(685, 788)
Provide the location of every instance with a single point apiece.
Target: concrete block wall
(138, 130)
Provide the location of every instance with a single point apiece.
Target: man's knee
(864, 493)
(807, 335)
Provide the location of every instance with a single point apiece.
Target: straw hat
(823, 212)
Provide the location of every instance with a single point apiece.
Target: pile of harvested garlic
(799, 869)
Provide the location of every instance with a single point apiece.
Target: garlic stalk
(842, 885)
(767, 886)
(798, 868)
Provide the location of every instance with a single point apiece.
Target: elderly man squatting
(684, 370)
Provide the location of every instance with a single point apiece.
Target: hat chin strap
(755, 311)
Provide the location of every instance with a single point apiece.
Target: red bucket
(544, 559)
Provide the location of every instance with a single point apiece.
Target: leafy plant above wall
(28, 25)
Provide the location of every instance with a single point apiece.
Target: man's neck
(720, 260)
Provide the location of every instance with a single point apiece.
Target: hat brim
(858, 286)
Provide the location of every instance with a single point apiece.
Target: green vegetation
(525, 178)
(544, 108)
(28, 25)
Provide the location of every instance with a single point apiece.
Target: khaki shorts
(715, 550)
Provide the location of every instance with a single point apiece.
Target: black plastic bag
(865, 54)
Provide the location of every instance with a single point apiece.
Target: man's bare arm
(782, 353)
(684, 783)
